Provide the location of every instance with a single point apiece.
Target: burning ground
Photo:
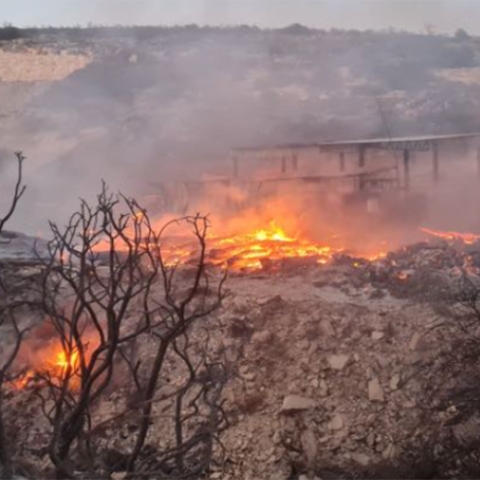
(336, 368)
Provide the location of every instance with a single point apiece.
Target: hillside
(135, 104)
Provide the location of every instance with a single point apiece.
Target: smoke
(155, 107)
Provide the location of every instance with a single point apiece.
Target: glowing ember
(468, 238)
(256, 249)
(252, 250)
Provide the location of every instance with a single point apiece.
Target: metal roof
(366, 142)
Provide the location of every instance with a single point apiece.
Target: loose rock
(336, 423)
(338, 362)
(375, 391)
(295, 403)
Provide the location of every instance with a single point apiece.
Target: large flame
(250, 250)
(265, 247)
(251, 243)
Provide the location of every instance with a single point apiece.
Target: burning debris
(264, 248)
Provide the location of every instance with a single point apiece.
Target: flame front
(244, 248)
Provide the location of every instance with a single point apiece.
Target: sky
(444, 16)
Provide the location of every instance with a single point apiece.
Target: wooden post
(342, 161)
(284, 165)
(436, 170)
(361, 156)
(406, 168)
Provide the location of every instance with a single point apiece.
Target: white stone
(389, 452)
(375, 391)
(361, 459)
(326, 328)
(377, 335)
(338, 362)
(336, 423)
(118, 475)
(263, 337)
(309, 446)
(415, 342)
(394, 382)
(295, 403)
(323, 388)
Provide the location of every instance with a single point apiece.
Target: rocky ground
(327, 373)
(335, 370)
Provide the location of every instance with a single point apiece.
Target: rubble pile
(333, 363)
(424, 270)
(324, 375)
(330, 368)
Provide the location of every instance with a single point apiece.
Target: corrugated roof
(367, 141)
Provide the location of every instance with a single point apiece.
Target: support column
(406, 168)
(284, 165)
(436, 169)
(342, 161)
(361, 156)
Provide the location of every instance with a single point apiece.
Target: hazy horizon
(440, 16)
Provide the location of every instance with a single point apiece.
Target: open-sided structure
(370, 163)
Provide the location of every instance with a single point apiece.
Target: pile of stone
(328, 375)
(330, 379)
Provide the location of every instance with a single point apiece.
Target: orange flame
(253, 249)
(54, 363)
(250, 250)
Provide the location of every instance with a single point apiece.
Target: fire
(253, 250)
(245, 244)
(64, 361)
(468, 238)
(53, 363)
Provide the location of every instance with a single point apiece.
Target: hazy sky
(444, 15)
